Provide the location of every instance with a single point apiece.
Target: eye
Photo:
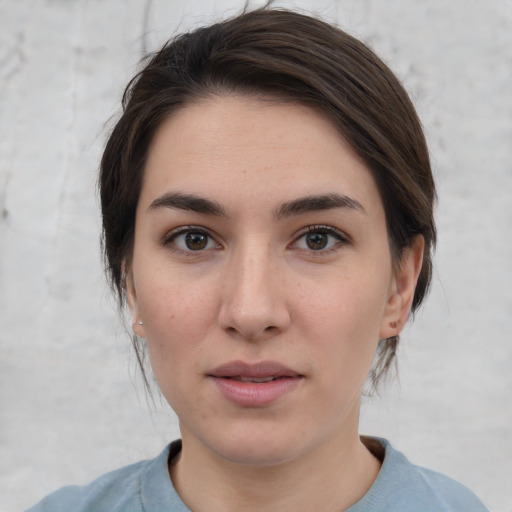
(189, 239)
(319, 238)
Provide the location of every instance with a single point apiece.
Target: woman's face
(262, 274)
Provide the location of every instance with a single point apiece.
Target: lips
(263, 370)
(254, 385)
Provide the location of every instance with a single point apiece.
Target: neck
(332, 476)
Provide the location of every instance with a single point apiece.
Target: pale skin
(261, 236)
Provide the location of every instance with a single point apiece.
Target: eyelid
(341, 236)
(327, 229)
(171, 235)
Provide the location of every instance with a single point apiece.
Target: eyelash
(171, 237)
(341, 238)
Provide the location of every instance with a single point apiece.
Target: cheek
(353, 305)
(176, 317)
(345, 324)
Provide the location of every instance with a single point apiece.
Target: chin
(258, 447)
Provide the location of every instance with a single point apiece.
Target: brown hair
(296, 57)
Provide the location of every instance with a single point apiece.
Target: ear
(401, 291)
(133, 305)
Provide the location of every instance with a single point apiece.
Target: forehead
(233, 146)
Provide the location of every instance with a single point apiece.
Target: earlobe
(402, 289)
(133, 306)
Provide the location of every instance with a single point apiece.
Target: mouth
(255, 385)
(256, 380)
(265, 371)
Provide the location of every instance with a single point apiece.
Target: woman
(267, 211)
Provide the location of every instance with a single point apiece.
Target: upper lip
(253, 370)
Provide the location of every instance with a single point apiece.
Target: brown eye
(189, 239)
(320, 239)
(196, 241)
(317, 241)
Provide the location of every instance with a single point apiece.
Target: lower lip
(252, 394)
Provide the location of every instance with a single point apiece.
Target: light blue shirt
(147, 487)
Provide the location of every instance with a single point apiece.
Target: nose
(254, 305)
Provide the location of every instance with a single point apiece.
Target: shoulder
(139, 487)
(111, 491)
(402, 486)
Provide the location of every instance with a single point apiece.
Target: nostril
(252, 334)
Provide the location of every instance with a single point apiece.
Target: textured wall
(72, 405)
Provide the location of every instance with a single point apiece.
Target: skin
(261, 290)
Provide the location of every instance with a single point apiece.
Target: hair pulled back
(298, 58)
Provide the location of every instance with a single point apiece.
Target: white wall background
(71, 402)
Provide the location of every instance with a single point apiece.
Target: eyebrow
(317, 203)
(180, 201)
